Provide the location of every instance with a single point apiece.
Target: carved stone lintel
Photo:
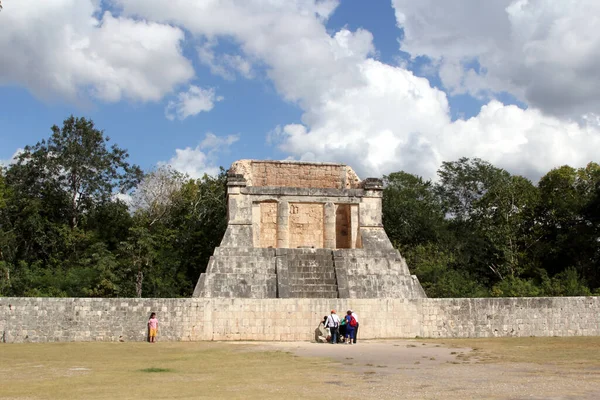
(372, 184)
(236, 180)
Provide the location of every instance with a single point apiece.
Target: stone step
(310, 267)
(314, 287)
(313, 295)
(304, 252)
(312, 272)
(311, 281)
(307, 257)
(310, 264)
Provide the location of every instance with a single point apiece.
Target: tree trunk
(139, 280)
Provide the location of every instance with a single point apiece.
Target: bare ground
(413, 369)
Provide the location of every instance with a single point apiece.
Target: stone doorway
(343, 239)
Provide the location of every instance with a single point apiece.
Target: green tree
(491, 214)
(568, 221)
(154, 199)
(76, 163)
(201, 218)
(412, 212)
(59, 213)
(505, 216)
(435, 266)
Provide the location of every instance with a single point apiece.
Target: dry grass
(568, 351)
(161, 371)
(226, 370)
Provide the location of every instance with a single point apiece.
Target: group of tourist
(341, 330)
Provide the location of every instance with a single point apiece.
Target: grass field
(153, 371)
(240, 371)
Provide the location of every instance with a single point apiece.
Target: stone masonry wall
(525, 316)
(37, 319)
(301, 175)
(268, 224)
(306, 225)
(67, 319)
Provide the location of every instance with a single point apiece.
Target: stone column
(329, 241)
(283, 217)
(256, 239)
(354, 227)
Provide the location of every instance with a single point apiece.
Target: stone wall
(53, 319)
(305, 225)
(533, 316)
(296, 174)
(268, 224)
(84, 319)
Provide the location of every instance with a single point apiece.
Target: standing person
(350, 327)
(152, 327)
(357, 325)
(333, 322)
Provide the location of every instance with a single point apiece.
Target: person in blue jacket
(350, 327)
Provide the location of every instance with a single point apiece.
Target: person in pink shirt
(152, 327)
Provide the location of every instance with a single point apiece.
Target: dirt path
(411, 369)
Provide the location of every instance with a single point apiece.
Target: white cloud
(124, 197)
(381, 118)
(63, 48)
(12, 159)
(202, 159)
(377, 117)
(192, 102)
(545, 52)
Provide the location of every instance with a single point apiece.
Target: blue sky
(382, 86)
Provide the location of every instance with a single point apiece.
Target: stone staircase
(267, 273)
(306, 273)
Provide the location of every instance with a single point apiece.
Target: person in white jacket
(333, 323)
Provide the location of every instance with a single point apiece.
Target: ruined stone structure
(304, 230)
(302, 238)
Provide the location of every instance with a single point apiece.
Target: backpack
(353, 322)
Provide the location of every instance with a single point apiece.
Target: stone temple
(304, 230)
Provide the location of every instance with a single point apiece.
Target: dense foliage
(477, 230)
(65, 229)
(480, 231)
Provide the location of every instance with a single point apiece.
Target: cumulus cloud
(202, 159)
(545, 52)
(192, 102)
(70, 49)
(381, 118)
